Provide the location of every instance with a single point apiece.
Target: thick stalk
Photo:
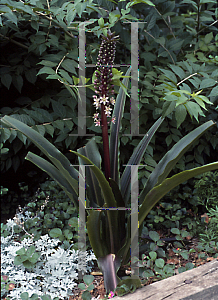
(106, 164)
(105, 142)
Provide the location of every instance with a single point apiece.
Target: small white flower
(112, 100)
(104, 100)
(97, 123)
(107, 111)
(96, 116)
(96, 102)
(113, 120)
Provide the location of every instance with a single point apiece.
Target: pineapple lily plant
(109, 230)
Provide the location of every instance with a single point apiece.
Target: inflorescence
(103, 82)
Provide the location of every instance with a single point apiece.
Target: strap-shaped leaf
(120, 215)
(51, 170)
(117, 193)
(104, 184)
(94, 232)
(109, 266)
(94, 192)
(136, 158)
(112, 239)
(58, 159)
(167, 185)
(116, 128)
(157, 194)
(170, 159)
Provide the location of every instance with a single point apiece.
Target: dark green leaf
(30, 250)
(88, 279)
(18, 82)
(24, 296)
(193, 109)
(94, 232)
(169, 75)
(136, 158)
(159, 263)
(70, 189)
(168, 184)
(73, 222)
(91, 151)
(153, 255)
(6, 80)
(154, 236)
(178, 71)
(168, 107)
(116, 128)
(104, 184)
(180, 114)
(214, 92)
(86, 295)
(59, 109)
(167, 163)
(55, 232)
(31, 75)
(189, 266)
(21, 251)
(46, 70)
(151, 22)
(11, 17)
(82, 286)
(175, 230)
(207, 83)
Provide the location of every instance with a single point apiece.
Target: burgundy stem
(105, 142)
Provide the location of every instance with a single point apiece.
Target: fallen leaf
(210, 258)
(5, 277)
(11, 286)
(171, 252)
(206, 218)
(96, 273)
(173, 261)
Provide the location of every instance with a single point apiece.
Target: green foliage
(168, 215)
(179, 43)
(206, 195)
(156, 187)
(87, 286)
(206, 189)
(153, 264)
(53, 213)
(3, 190)
(25, 296)
(128, 285)
(6, 285)
(49, 212)
(10, 200)
(28, 257)
(178, 79)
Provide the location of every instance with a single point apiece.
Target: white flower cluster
(54, 274)
(97, 103)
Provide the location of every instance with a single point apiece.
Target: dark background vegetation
(35, 38)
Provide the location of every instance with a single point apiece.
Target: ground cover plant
(183, 80)
(163, 252)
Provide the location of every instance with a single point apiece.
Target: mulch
(173, 258)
